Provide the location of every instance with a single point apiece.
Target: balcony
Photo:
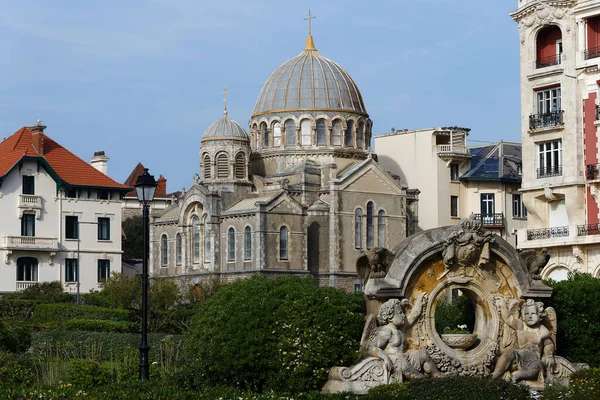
(22, 285)
(547, 61)
(546, 120)
(547, 233)
(591, 171)
(591, 53)
(30, 243)
(591, 229)
(555, 170)
(452, 149)
(491, 220)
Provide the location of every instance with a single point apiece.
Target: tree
(133, 245)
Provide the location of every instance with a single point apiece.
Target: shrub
(15, 371)
(54, 316)
(280, 334)
(100, 299)
(97, 325)
(450, 314)
(86, 374)
(47, 292)
(577, 304)
(14, 340)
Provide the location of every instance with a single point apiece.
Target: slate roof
(248, 204)
(63, 164)
(495, 162)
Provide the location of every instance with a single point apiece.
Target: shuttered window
(206, 167)
(240, 166)
(222, 166)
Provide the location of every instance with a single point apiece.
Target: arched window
(305, 129)
(549, 46)
(283, 243)
(196, 239)
(178, 249)
(206, 242)
(336, 135)
(348, 135)
(222, 166)
(321, 132)
(381, 228)
(206, 166)
(369, 225)
(358, 215)
(359, 134)
(240, 166)
(276, 134)
(27, 269)
(264, 134)
(248, 243)
(164, 250)
(231, 243)
(290, 133)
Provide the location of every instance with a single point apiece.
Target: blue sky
(142, 80)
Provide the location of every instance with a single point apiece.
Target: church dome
(309, 81)
(225, 129)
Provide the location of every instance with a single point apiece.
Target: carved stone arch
(309, 117)
(532, 35)
(596, 273)
(193, 203)
(272, 120)
(552, 270)
(341, 118)
(325, 117)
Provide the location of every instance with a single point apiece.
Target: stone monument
(513, 337)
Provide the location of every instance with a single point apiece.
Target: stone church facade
(301, 193)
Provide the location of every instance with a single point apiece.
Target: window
(359, 135)
(28, 225)
(240, 166)
(283, 243)
(71, 227)
(548, 100)
(593, 38)
(453, 172)
(71, 270)
(487, 208)
(336, 135)
(206, 167)
(27, 269)
(358, 215)
(454, 206)
(265, 135)
(321, 132)
(222, 166)
(519, 210)
(548, 46)
(103, 228)
(103, 195)
(305, 132)
(164, 250)
(178, 249)
(276, 134)
(290, 133)
(206, 243)
(28, 184)
(549, 159)
(381, 228)
(72, 193)
(196, 239)
(248, 243)
(103, 270)
(370, 227)
(348, 135)
(231, 244)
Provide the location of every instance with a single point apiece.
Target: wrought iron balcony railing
(591, 171)
(547, 61)
(591, 229)
(555, 170)
(547, 233)
(546, 119)
(591, 53)
(491, 219)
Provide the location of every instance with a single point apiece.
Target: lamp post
(145, 187)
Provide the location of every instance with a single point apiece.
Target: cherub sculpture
(374, 263)
(534, 352)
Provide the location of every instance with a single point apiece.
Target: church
(298, 193)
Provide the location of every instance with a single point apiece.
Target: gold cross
(225, 100)
(310, 16)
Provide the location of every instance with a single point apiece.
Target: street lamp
(145, 187)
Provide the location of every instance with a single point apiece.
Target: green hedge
(54, 316)
(97, 325)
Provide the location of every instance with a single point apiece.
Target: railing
(491, 219)
(30, 200)
(547, 61)
(591, 229)
(547, 233)
(597, 113)
(591, 171)
(546, 119)
(591, 53)
(451, 148)
(30, 242)
(24, 285)
(555, 170)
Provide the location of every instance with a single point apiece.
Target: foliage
(86, 374)
(97, 325)
(124, 291)
(14, 340)
(577, 304)
(55, 316)
(97, 298)
(452, 313)
(272, 334)
(47, 292)
(133, 246)
(197, 293)
(163, 294)
(583, 385)
(14, 371)
(452, 388)
(172, 321)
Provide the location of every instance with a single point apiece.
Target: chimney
(100, 162)
(162, 184)
(37, 137)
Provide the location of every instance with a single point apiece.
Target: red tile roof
(70, 168)
(161, 189)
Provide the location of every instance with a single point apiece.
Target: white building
(58, 213)
(455, 181)
(559, 57)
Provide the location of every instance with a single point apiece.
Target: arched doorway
(312, 248)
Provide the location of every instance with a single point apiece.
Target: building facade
(456, 181)
(301, 194)
(61, 217)
(559, 58)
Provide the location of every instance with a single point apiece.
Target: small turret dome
(226, 129)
